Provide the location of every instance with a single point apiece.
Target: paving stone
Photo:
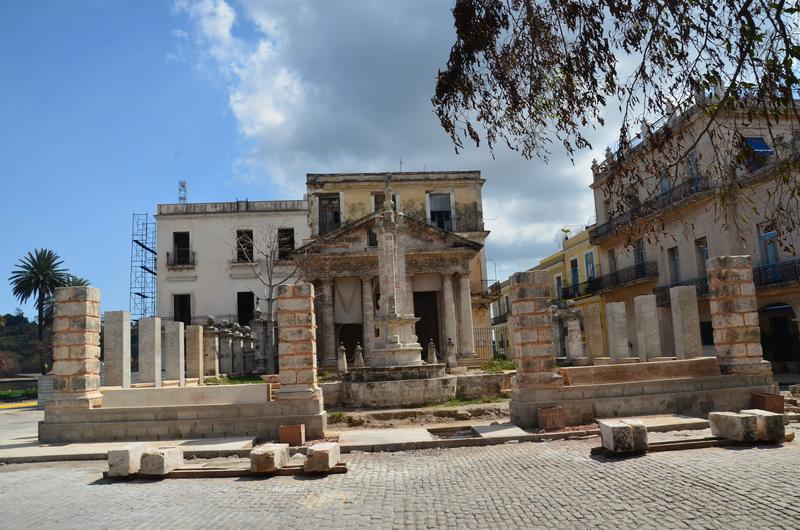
(770, 425)
(269, 457)
(733, 426)
(125, 460)
(161, 460)
(322, 457)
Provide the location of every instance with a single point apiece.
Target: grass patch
(233, 380)
(18, 395)
(461, 402)
(499, 365)
(324, 377)
(336, 417)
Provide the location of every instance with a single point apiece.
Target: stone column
(237, 353)
(173, 352)
(211, 351)
(685, 321)
(533, 342)
(297, 343)
(593, 328)
(368, 312)
(258, 328)
(574, 336)
(328, 328)
(734, 315)
(76, 348)
(225, 354)
(194, 353)
(467, 339)
(450, 328)
(648, 330)
(409, 295)
(617, 331)
(117, 348)
(150, 351)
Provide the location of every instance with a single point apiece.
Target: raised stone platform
(399, 393)
(395, 373)
(648, 371)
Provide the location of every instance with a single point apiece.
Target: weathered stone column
(76, 348)
(258, 328)
(211, 351)
(617, 331)
(685, 321)
(467, 340)
(574, 336)
(225, 354)
(648, 330)
(173, 352)
(150, 350)
(533, 342)
(237, 352)
(368, 312)
(734, 315)
(409, 295)
(297, 343)
(117, 348)
(194, 353)
(328, 328)
(593, 328)
(449, 312)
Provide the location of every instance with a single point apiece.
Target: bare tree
(533, 73)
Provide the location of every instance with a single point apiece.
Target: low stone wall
(647, 371)
(176, 396)
(409, 393)
(475, 386)
(331, 393)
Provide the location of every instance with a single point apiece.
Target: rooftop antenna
(181, 192)
(401, 164)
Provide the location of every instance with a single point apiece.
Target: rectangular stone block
(161, 460)
(125, 460)
(174, 353)
(648, 330)
(321, 457)
(770, 426)
(733, 426)
(266, 458)
(150, 350)
(117, 348)
(551, 418)
(617, 331)
(294, 435)
(194, 352)
(623, 436)
(211, 352)
(685, 321)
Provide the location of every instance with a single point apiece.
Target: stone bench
(631, 372)
(623, 436)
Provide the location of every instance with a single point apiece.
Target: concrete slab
(667, 422)
(385, 436)
(501, 430)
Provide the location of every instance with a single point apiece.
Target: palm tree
(49, 303)
(37, 275)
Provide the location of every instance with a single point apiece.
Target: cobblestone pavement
(555, 484)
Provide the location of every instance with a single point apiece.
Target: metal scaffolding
(143, 267)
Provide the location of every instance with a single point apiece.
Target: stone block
(623, 436)
(322, 457)
(551, 418)
(733, 426)
(294, 435)
(269, 457)
(125, 460)
(770, 425)
(161, 460)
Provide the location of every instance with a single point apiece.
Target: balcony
(652, 205)
(576, 291)
(500, 319)
(181, 258)
(766, 276)
(662, 291)
(646, 270)
(450, 224)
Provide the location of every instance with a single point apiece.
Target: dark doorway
(779, 337)
(182, 308)
(350, 335)
(427, 327)
(245, 304)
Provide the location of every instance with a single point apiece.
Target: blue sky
(105, 105)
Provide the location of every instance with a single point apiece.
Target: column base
(91, 400)
(733, 366)
(298, 392)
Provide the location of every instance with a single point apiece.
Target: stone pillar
(593, 328)
(617, 330)
(574, 336)
(150, 350)
(237, 353)
(225, 354)
(117, 348)
(173, 352)
(211, 351)
(533, 342)
(328, 328)
(368, 312)
(449, 312)
(734, 315)
(648, 330)
(297, 342)
(76, 348)
(194, 353)
(467, 339)
(258, 329)
(685, 321)
(409, 295)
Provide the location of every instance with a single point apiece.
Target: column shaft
(449, 310)
(328, 328)
(173, 352)
(467, 340)
(150, 350)
(368, 320)
(117, 352)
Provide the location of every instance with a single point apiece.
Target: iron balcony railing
(443, 222)
(634, 273)
(577, 290)
(180, 258)
(662, 291)
(502, 318)
(659, 202)
(774, 273)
